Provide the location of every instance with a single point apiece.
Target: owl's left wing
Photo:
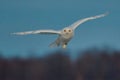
(38, 32)
(77, 23)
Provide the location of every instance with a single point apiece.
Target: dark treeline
(92, 65)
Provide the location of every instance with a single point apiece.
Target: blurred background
(93, 53)
(91, 65)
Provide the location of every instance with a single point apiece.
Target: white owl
(64, 35)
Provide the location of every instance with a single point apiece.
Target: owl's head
(67, 31)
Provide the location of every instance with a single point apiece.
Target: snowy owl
(64, 35)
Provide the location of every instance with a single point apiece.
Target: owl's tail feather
(56, 43)
(53, 44)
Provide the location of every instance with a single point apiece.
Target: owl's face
(67, 31)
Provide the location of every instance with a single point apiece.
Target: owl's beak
(67, 33)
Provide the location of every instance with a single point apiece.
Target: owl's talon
(64, 46)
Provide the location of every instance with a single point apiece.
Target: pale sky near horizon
(27, 15)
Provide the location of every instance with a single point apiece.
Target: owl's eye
(69, 30)
(64, 30)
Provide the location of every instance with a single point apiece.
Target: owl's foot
(64, 46)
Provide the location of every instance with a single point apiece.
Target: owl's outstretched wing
(38, 32)
(77, 23)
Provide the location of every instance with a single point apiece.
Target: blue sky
(25, 15)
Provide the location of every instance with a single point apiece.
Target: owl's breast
(67, 36)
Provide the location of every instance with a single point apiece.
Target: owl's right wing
(38, 32)
(79, 22)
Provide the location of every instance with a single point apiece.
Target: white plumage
(38, 32)
(64, 35)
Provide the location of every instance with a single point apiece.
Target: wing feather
(38, 32)
(77, 23)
